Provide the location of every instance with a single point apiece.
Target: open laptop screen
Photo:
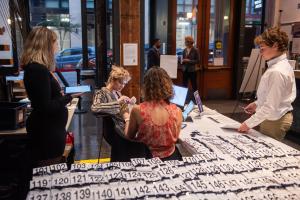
(179, 95)
(198, 101)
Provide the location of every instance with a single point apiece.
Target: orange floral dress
(160, 139)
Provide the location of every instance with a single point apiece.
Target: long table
(209, 125)
(224, 165)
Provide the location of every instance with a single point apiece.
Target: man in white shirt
(276, 90)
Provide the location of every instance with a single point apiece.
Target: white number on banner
(65, 194)
(39, 195)
(139, 161)
(41, 182)
(197, 185)
(62, 180)
(114, 175)
(161, 188)
(82, 193)
(166, 171)
(59, 167)
(103, 193)
(155, 161)
(150, 176)
(79, 167)
(123, 192)
(41, 171)
(141, 190)
(96, 177)
(78, 178)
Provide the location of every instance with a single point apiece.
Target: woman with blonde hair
(156, 122)
(47, 121)
(190, 57)
(109, 100)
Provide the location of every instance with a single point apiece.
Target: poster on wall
(130, 54)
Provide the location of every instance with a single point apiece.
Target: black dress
(46, 124)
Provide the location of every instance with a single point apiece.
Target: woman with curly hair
(276, 90)
(156, 122)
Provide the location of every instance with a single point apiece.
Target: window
(76, 51)
(219, 32)
(66, 52)
(90, 4)
(65, 4)
(186, 22)
(52, 4)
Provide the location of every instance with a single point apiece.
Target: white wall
(290, 11)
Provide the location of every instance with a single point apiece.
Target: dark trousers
(193, 77)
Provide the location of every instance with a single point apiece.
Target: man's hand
(243, 128)
(250, 109)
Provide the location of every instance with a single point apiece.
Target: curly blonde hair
(273, 36)
(39, 48)
(118, 73)
(157, 85)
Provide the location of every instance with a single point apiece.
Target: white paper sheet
(130, 54)
(169, 63)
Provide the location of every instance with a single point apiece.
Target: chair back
(122, 148)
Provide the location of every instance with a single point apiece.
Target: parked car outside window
(68, 58)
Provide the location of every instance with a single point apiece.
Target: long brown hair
(39, 48)
(157, 85)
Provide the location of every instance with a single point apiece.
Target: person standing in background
(276, 90)
(190, 58)
(154, 54)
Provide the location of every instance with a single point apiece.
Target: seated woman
(109, 100)
(156, 122)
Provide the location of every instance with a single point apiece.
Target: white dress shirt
(275, 93)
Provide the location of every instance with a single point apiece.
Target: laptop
(198, 101)
(186, 112)
(179, 98)
(180, 94)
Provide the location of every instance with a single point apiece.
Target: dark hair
(154, 41)
(273, 36)
(157, 85)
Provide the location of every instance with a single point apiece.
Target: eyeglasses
(122, 82)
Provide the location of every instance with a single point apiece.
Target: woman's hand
(124, 99)
(74, 95)
(243, 128)
(250, 109)
(185, 60)
(126, 115)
